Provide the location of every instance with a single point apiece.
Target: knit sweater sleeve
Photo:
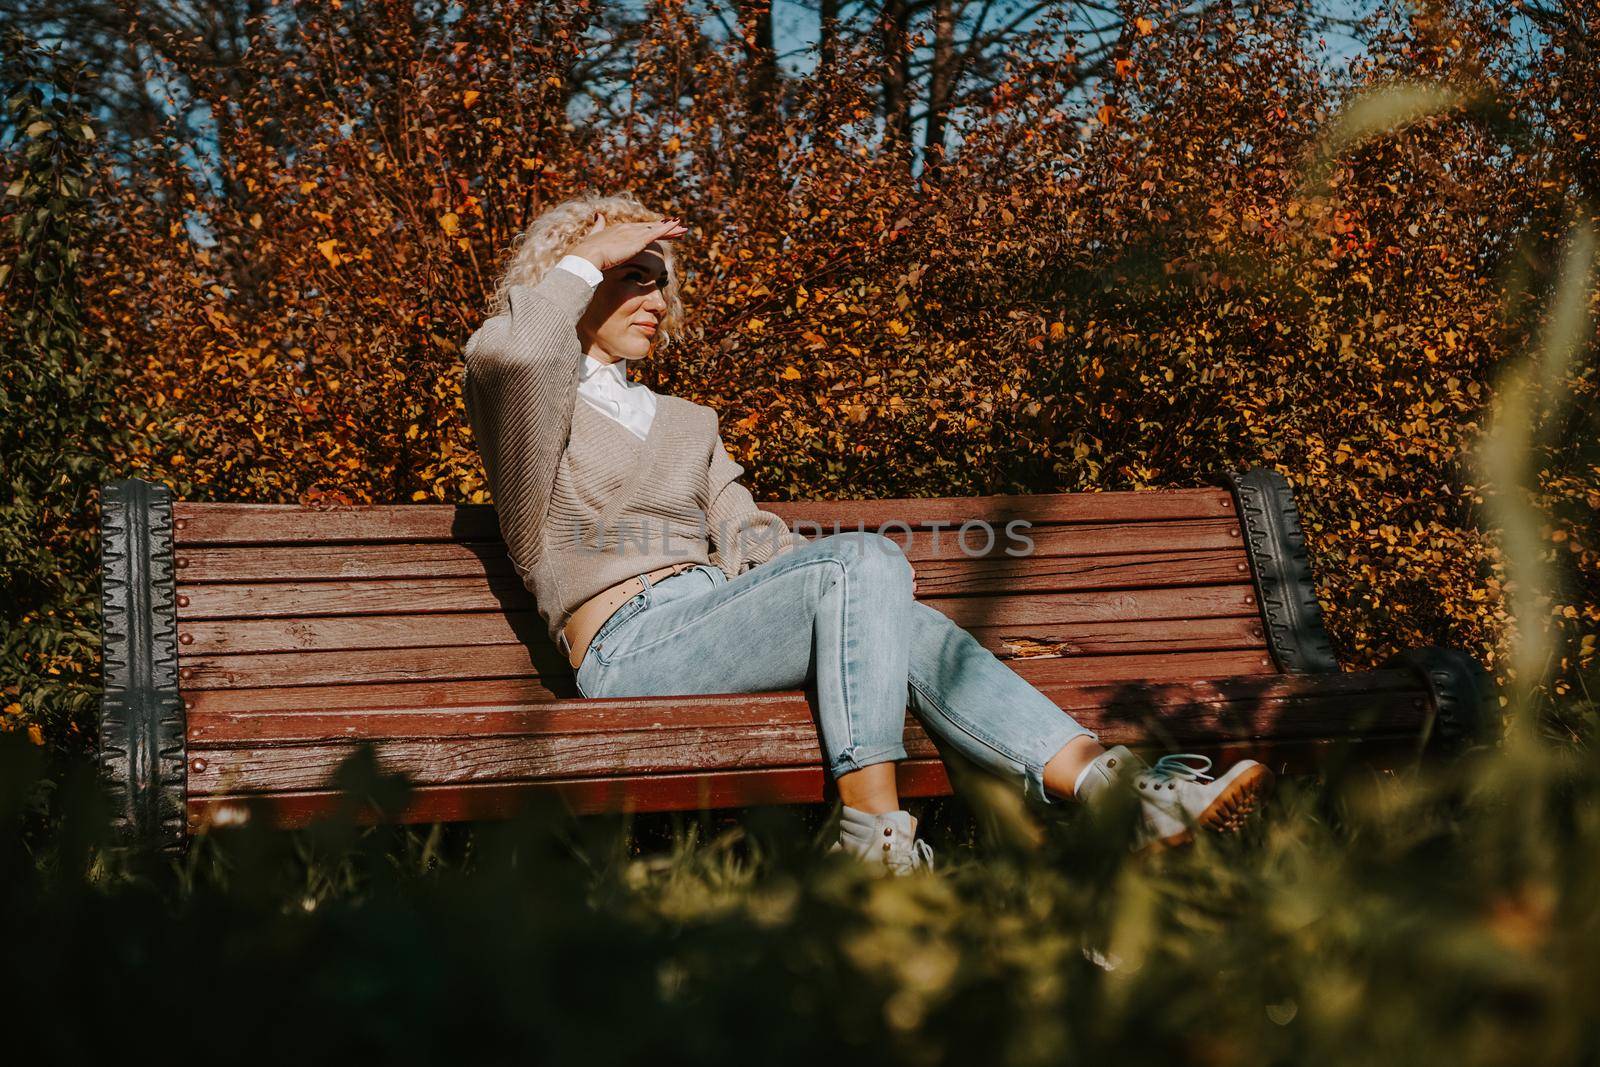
(520, 386)
(743, 536)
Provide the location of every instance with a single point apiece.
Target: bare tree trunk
(760, 84)
(941, 81)
(894, 24)
(829, 36)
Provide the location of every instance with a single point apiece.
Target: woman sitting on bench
(657, 575)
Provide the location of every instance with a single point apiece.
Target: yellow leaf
(673, 143)
(1144, 26)
(306, 187)
(898, 328)
(450, 222)
(755, 325)
(790, 373)
(327, 249)
(255, 221)
(420, 494)
(13, 709)
(35, 734)
(470, 97)
(1058, 331)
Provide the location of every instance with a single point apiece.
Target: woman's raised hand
(610, 244)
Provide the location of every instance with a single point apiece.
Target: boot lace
(919, 856)
(1173, 768)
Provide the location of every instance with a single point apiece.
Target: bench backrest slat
(262, 524)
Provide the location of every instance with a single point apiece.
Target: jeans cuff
(1049, 746)
(855, 757)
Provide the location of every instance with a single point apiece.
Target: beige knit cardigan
(583, 503)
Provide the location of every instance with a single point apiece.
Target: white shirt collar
(592, 366)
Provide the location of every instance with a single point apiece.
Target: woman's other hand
(608, 245)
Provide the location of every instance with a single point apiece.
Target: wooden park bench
(249, 648)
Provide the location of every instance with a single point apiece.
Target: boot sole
(1230, 809)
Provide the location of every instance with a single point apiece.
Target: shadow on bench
(249, 648)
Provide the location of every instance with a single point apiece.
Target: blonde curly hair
(550, 236)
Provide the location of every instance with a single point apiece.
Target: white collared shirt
(605, 385)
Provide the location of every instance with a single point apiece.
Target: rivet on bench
(186, 673)
(1239, 566)
(186, 639)
(181, 524)
(1234, 532)
(1250, 598)
(199, 764)
(182, 563)
(183, 601)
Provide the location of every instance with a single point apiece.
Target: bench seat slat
(757, 743)
(1281, 704)
(200, 523)
(584, 796)
(740, 788)
(460, 760)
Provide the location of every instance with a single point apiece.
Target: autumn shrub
(55, 397)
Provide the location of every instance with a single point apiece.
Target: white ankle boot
(1176, 795)
(889, 839)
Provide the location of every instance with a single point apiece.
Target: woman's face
(626, 309)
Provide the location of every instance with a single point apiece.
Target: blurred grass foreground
(1446, 915)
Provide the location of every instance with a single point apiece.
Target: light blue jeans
(838, 612)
